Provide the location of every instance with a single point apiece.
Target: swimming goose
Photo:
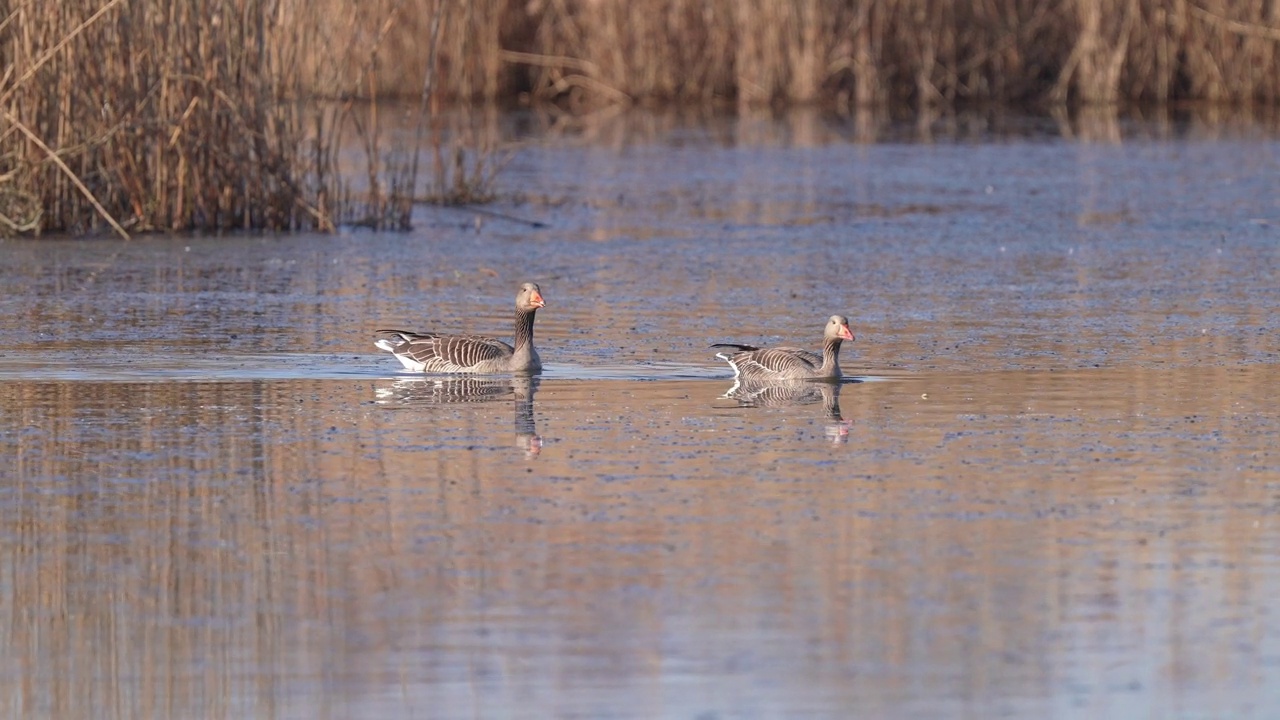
(787, 363)
(476, 354)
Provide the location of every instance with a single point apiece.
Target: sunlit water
(1050, 486)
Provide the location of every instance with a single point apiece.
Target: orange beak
(537, 300)
(845, 333)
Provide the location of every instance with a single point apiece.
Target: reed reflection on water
(288, 548)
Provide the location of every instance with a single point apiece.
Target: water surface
(1049, 487)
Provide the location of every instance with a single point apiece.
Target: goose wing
(736, 346)
(444, 353)
(780, 362)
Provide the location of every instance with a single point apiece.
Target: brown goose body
(787, 363)
(470, 354)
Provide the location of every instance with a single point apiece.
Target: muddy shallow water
(1050, 487)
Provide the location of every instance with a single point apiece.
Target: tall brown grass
(175, 115)
(140, 115)
(152, 115)
(587, 54)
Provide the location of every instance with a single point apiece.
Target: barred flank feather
(446, 353)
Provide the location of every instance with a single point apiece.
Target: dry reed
(150, 115)
(143, 115)
(588, 54)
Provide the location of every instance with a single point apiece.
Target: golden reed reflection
(296, 548)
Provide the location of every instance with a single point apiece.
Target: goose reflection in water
(784, 393)
(444, 390)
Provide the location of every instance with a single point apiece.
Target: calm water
(1055, 491)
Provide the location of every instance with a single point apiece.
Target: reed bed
(151, 115)
(139, 115)
(168, 115)
(586, 54)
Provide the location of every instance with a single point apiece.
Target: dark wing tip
(406, 335)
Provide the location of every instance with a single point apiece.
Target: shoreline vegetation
(174, 116)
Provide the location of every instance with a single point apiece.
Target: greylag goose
(786, 363)
(476, 354)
